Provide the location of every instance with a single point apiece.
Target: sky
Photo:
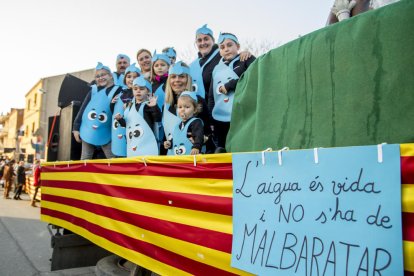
(45, 38)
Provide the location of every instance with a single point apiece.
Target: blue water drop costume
(196, 72)
(95, 127)
(169, 121)
(181, 144)
(118, 145)
(119, 79)
(223, 103)
(140, 137)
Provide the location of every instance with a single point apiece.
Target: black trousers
(220, 131)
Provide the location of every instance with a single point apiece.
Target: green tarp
(348, 84)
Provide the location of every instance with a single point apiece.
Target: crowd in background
(16, 175)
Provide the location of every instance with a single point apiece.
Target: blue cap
(170, 52)
(132, 68)
(163, 57)
(122, 56)
(204, 30)
(222, 37)
(100, 66)
(142, 82)
(192, 95)
(178, 69)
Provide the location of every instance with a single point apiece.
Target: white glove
(342, 8)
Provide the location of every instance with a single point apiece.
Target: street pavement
(25, 241)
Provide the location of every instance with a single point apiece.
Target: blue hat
(133, 68)
(192, 95)
(170, 52)
(163, 57)
(122, 56)
(178, 69)
(100, 66)
(224, 36)
(142, 82)
(204, 30)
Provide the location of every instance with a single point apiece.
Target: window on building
(33, 127)
(28, 104)
(26, 133)
(35, 99)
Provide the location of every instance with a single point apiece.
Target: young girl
(224, 80)
(140, 117)
(118, 145)
(159, 74)
(188, 134)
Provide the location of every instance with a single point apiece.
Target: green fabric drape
(347, 84)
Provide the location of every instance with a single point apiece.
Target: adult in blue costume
(140, 118)
(188, 134)
(223, 85)
(179, 80)
(122, 63)
(118, 132)
(92, 125)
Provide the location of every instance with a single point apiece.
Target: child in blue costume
(159, 74)
(224, 80)
(140, 118)
(118, 131)
(188, 134)
(92, 125)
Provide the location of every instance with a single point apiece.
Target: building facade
(27, 129)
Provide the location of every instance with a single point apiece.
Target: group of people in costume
(163, 106)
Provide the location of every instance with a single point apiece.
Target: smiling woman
(92, 125)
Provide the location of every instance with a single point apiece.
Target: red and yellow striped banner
(170, 215)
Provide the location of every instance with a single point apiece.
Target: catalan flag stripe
(186, 264)
(216, 240)
(218, 205)
(210, 221)
(205, 186)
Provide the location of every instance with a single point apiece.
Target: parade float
(331, 198)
